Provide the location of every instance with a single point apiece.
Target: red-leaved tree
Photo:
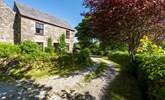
(125, 20)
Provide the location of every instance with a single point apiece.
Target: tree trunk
(132, 51)
(134, 41)
(132, 54)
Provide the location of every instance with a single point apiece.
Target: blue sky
(69, 10)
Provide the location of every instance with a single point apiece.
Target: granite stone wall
(7, 17)
(14, 29)
(28, 33)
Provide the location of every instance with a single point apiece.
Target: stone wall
(28, 33)
(7, 17)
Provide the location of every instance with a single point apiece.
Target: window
(67, 34)
(56, 46)
(39, 28)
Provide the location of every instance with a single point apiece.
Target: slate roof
(30, 12)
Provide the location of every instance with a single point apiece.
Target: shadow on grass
(124, 86)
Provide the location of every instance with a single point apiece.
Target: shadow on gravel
(23, 90)
(72, 95)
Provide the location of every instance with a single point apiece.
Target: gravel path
(59, 88)
(23, 90)
(75, 86)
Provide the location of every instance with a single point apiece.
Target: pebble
(3, 98)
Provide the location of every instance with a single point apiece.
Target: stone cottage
(26, 23)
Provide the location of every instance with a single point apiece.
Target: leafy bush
(29, 47)
(76, 61)
(151, 62)
(83, 57)
(8, 50)
(153, 66)
(62, 45)
(50, 48)
(149, 48)
(33, 51)
(152, 70)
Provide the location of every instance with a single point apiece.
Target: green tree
(62, 45)
(50, 48)
(125, 20)
(83, 34)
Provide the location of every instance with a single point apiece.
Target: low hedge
(151, 70)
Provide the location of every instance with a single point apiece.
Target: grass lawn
(124, 86)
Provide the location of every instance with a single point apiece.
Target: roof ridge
(29, 11)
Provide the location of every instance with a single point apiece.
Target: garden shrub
(149, 48)
(31, 50)
(50, 48)
(83, 57)
(62, 45)
(8, 50)
(151, 62)
(77, 60)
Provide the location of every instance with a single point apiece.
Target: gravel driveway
(59, 88)
(63, 88)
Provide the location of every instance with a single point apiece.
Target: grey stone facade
(17, 28)
(7, 17)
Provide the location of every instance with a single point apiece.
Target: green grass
(120, 58)
(37, 74)
(124, 86)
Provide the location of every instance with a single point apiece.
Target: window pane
(39, 28)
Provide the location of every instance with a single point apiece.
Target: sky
(68, 10)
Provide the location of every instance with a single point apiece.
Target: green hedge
(151, 69)
(77, 60)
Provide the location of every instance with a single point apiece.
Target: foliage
(86, 39)
(50, 48)
(84, 36)
(117, 46)
(151, 68)
(69, 63)
(163, 45)
(149, 48)
(8, 50)
(83, 57)
(125, 20)
(125, 86)
(121, 58)
(33, 51)
(62, 45)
